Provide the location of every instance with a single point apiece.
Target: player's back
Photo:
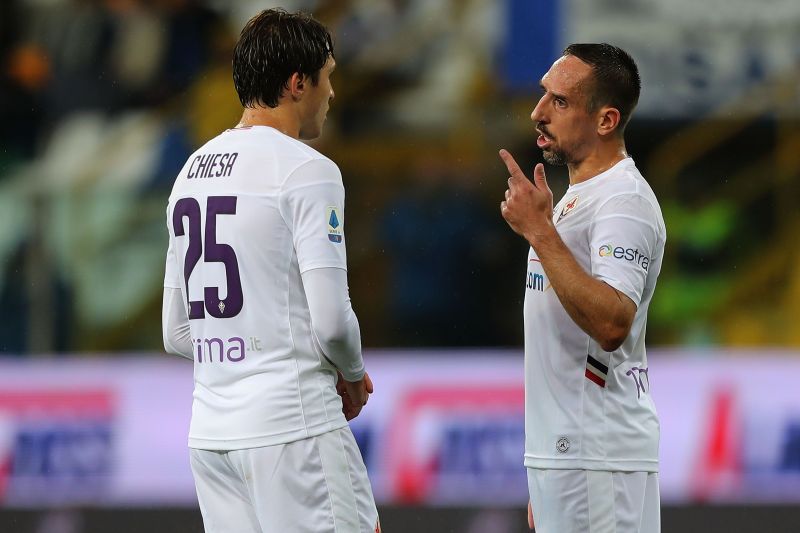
(234, 219)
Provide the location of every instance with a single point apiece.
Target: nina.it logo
(628, 254)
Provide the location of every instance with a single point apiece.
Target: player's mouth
(544, 141)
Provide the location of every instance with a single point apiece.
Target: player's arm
(312, 203)
(333, 321)
(603, 312)
(175, 324)
(600, 310)
(335, 328)
(174, 320)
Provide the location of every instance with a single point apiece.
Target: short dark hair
(272, 46)
(616, 79)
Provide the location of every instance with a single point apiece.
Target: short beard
(556, 158)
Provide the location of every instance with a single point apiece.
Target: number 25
(214, 253)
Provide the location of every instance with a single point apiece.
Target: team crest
(567, 208)
(334, 218)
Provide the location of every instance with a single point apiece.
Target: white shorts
(587, 501)
(312, 485)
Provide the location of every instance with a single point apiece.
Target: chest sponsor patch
(334, 219)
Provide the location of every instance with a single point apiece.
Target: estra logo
(627, 254)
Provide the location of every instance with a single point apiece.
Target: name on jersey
(628, 254)
(212, 165)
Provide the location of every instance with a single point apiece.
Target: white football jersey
(586, 408)
(249, 213)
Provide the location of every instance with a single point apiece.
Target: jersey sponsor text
(217, 350)
(535, 282)
(629, 254)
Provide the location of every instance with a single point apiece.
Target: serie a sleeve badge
(334, 219)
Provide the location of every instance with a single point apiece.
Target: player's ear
(608, 120)
(296, 86)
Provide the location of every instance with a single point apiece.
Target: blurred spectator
(398, 53)
(24, 71)
(25, 290)
(103, 100)
(438, 237)
(191, 29)
(700, 235)
(77, 36)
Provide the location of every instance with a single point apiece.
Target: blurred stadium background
(101, 101)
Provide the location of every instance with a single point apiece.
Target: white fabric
(175, 324)
(613, 226)
(333, 321)
(260, 376)
(313, 485)
(594, 501)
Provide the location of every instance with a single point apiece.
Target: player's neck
(279, 118)
(597, 162)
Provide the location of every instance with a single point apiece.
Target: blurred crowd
(101, 102)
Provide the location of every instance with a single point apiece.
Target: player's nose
(537, 115)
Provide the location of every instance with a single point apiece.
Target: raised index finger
(511, 164)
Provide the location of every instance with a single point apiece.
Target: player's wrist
(354, 377)
(542, 236)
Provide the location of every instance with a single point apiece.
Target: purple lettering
(203, 165)
(189, 208)
(214, 253)
(231, 161)
(212, 165)
(191, 173)
(222, 162)
(636, 373)
(210, 352)
(222, 253)
(234, 350)
(240, 348)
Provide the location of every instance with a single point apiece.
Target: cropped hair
(273, 46)
(615, 78)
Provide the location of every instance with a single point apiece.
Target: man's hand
(354, 394)
(528, 207)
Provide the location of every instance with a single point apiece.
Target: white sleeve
(312, 204)
(172, 269)
(624, 237)
(175, 324)
(333, 322)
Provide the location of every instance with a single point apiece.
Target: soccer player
(591, 430)
(255, 293)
